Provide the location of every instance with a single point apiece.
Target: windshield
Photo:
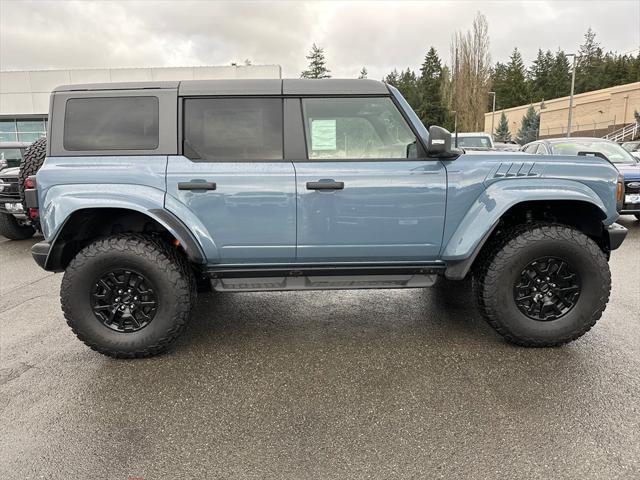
(10, 154)
(474, 142)
(614, 152)
(631, 146)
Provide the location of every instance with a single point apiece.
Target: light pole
(573, 83)
(455, 127)
(493, 113)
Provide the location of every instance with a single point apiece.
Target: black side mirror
(439, 142)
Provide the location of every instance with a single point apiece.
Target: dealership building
(595, 114)
(24, 95)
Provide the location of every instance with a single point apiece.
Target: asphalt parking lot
(359, 384)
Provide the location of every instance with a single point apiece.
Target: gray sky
(378, 35)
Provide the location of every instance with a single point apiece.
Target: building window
(22, 130)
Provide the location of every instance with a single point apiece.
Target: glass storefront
(22, 130)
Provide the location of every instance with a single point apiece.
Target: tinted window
(114, 123)
(339, 128)
(531, 148)
(541, 150)
(474, 142)
(614, 152)
(233, 128)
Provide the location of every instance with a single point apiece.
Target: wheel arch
(585, 215)
(85, 224)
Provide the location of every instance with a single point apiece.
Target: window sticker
(323, 134)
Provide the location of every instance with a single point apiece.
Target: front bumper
(616, 234)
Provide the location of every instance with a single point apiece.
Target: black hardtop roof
(296, 86)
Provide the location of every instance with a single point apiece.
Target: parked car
(11, 154)
(14, 223)
(627, 164)
(260, 185)
(633, 148)
(507, 146)
(474, 141)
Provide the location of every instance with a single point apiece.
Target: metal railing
(628, 132)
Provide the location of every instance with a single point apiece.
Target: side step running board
(322, 282)
(240, 278)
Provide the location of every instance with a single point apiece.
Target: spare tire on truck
(31, 162)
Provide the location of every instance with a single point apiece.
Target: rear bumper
(40, 253)
(617, 234)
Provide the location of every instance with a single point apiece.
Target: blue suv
(149, 192)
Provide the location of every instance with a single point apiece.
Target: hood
(630, 172)
(10, 172)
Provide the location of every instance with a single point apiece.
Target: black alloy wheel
(547, 289)
(123, 300)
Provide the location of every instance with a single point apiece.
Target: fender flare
(484, 215)
(60, 206)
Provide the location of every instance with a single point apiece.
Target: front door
(233, 178)
(363, 196)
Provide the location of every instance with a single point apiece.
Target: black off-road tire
(167, 271)
(31, 162)
(10, 228)
(502, 264)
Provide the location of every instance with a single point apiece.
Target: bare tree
(470, 75)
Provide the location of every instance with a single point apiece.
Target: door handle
(325, 185)
(196, 186)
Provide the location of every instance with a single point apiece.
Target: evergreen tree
(502, 133)
(516, 86)
(431, 108)
(529, 129)
(538, 75)
(590, 63)
(317, 64)
(499, 85)
(408, 86)
(392, 78)
(559, 77)
(363, 73)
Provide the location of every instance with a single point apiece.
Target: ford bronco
(150, 191)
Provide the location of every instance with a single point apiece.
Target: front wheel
(543, 285)
(11, 228)
(128, 295)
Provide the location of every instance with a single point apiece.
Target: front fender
(60, 202)
(499, 197)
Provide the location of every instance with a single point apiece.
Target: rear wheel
(11, 228)
(543, 285)
(128, 295)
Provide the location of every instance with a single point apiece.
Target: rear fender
(60, 202)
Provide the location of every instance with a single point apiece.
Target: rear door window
(229, 129)
(111, 123)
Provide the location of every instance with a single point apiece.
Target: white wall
(27, 92)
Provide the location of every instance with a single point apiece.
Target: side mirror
(439, 142)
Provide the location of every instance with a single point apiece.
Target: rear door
(232, 177)
(363, 195)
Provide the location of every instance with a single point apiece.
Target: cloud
(378, 35)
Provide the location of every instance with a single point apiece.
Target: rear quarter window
(111, 123)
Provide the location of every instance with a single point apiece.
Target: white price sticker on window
(323, 134)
